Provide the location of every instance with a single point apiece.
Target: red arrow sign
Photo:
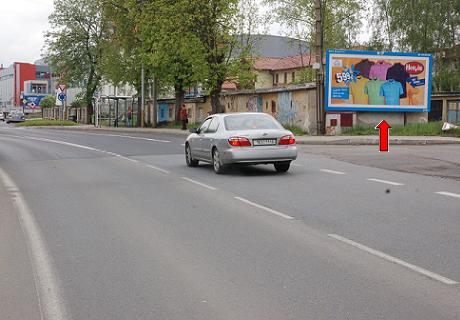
(384, 130)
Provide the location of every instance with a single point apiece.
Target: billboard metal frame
(425, 108)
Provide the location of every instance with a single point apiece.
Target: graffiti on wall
(251, 104)
(287, 112)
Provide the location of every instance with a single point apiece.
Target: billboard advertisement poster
(377, 81)
(32, 102)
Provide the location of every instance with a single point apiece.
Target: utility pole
(155, 102)
(319, 71)
(142, 95)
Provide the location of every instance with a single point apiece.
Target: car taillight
(239, 142)
(286, 140)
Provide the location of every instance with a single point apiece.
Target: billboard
(377, 81)
(31, 101)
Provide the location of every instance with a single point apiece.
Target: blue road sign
(62, 97)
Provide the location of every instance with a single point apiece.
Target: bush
(48, 102)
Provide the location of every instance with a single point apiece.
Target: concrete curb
(301, 140)
(376, 142)
(121, 130)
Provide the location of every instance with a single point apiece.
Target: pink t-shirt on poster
(379, 70)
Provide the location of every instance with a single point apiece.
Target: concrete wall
(371, 119)
(290, 107)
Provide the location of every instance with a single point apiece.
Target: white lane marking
(285, 216)
(449, 194)
(331, 171)
(386, 182)
(126, 158)
(296, 165)
(47, 284)
(389, 258)
(158, 169)
(199, 183)
(129, 137)
(183, 144)
(63, 143)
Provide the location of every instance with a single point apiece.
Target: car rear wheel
(282, 166)
(188, 157)
(216, 162)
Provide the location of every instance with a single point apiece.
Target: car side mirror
(194, 130)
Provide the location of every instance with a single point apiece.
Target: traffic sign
(61, 97)
(62, 87)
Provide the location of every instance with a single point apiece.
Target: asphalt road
(107, 226)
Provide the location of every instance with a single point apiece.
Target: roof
(284, 63)
(288, 88)
(265, 45)
(229, 85)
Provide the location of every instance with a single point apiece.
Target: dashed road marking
(158, 169)
(129, 137)
(331, 171)
(449, 194)
(199, 183)
(389, 258)
(386, 182)
(128, 159)
(296, 165)
(280, 214)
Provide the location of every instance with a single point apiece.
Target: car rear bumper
(259, 154)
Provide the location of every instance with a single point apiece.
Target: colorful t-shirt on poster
(357, 90)
(372, 89)
(379, 70)
(364, 67)
(398, 72)
(391, 90)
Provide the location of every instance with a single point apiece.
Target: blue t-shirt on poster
(392, 91)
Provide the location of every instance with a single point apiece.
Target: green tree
(48, 102)
(214, 23)
(171, 45)
(421, 26)
(75, 44)
(341, 20)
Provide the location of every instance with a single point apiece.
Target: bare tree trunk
(217, 107)
(179, 94)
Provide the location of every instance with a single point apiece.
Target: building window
(285, 77)
(170, 115)
(277, 78)
(266, 105)
(293, 77)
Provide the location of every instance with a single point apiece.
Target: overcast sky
(22, 25)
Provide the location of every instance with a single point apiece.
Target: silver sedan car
(241, 138)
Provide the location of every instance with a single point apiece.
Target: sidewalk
(304, 140)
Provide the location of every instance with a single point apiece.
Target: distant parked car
(241, 138)
(16, 116)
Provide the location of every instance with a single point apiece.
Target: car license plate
(264, 142)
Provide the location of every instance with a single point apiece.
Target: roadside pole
(155, 102)
(319, 67)
(142, 95)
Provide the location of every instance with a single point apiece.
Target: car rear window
(250, 122)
